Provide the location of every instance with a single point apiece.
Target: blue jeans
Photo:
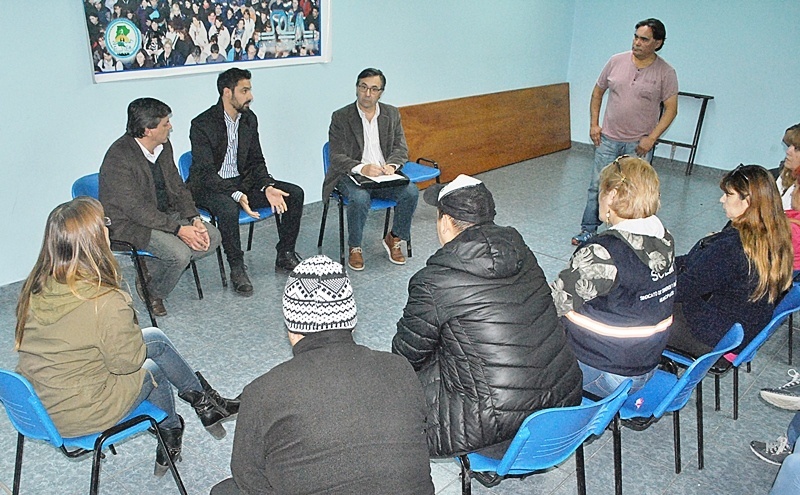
(359, 200)
(607, 152)
(793, 432)
(603, 383)
(788, 480)
(173, 257)
(166, 367)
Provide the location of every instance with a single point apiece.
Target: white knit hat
(318, 296)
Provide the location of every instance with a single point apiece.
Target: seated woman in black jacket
(480, 329)
(738, 274)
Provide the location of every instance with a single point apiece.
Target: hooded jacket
(83, 355)
(481, 331)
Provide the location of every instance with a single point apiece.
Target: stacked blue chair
(30, 419)
(545, 439)
(788, 305)
(665, 392)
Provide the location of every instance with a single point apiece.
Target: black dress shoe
(287, 261)
(240, 281)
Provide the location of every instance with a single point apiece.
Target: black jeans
(226, 210)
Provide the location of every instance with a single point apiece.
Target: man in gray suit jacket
(367, 139)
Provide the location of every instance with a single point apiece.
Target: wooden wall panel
(479, 133)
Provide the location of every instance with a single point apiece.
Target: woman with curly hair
(615, 297)
(739, 273)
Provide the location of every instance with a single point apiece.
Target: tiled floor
(233, 340)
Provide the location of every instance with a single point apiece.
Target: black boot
(240, 281)
(173, 438)
(210, 412)
(230, 406)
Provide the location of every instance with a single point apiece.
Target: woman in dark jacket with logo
(481, 330)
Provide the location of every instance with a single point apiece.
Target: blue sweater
(715, 281)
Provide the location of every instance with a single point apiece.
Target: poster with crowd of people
(132, 39)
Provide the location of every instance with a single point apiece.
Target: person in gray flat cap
(336, 418)
(481, 330)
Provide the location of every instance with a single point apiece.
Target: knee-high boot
(211, 408)
(173, 439)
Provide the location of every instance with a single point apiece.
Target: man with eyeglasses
(639, 82)
(367, 139)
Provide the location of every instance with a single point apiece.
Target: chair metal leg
(580, 470)
(699, 407)
(617, 435)
(197, 280)
(137, 263)
(250, 236)
(736, 392)
(18, 463)
(466, 481)
(408, 245)
(791, 337)
(170, 463)
(676, 438)
(341, 234)
(716, 393)
(325, 206)
(221, 267)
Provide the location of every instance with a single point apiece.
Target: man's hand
(245, 204)
(594, 134)
(194, 237)
(645, 145)
(275, 197)
(372, 170)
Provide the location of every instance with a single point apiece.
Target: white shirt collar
(151, 157)
(650, 226)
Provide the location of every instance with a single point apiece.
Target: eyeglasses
(367, 89)
(619, 167)
(738, 170)
(107, 221)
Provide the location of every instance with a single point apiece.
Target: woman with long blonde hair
(787, 179)
(81, 347)
(738, 274)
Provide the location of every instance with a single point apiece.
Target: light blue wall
(56, 124)
(741, 52)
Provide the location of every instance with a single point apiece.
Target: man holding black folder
(367, 140)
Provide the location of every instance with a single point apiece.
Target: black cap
(465, 198)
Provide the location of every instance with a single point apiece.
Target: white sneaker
(786, 396)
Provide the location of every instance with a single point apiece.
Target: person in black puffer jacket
(480, 329)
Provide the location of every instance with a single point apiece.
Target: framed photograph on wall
(132, 39)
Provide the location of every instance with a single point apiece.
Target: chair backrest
(25, 410)
(548, 437)
(184, 165)
(680, 393)
(88, 185)
(788, 305)
(325, 159)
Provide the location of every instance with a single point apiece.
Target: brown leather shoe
(158, 307)
(392, 246)
(355, 260)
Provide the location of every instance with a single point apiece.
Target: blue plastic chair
(545, 439)
(341, 199)
(89, 185)
(417, 172)
(30, 419)
(184, 168)
(788, 305)
(665, 393)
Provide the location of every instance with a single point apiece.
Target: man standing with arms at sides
(229, 171)
(149, 205)
(639, 82)
(367, 139)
